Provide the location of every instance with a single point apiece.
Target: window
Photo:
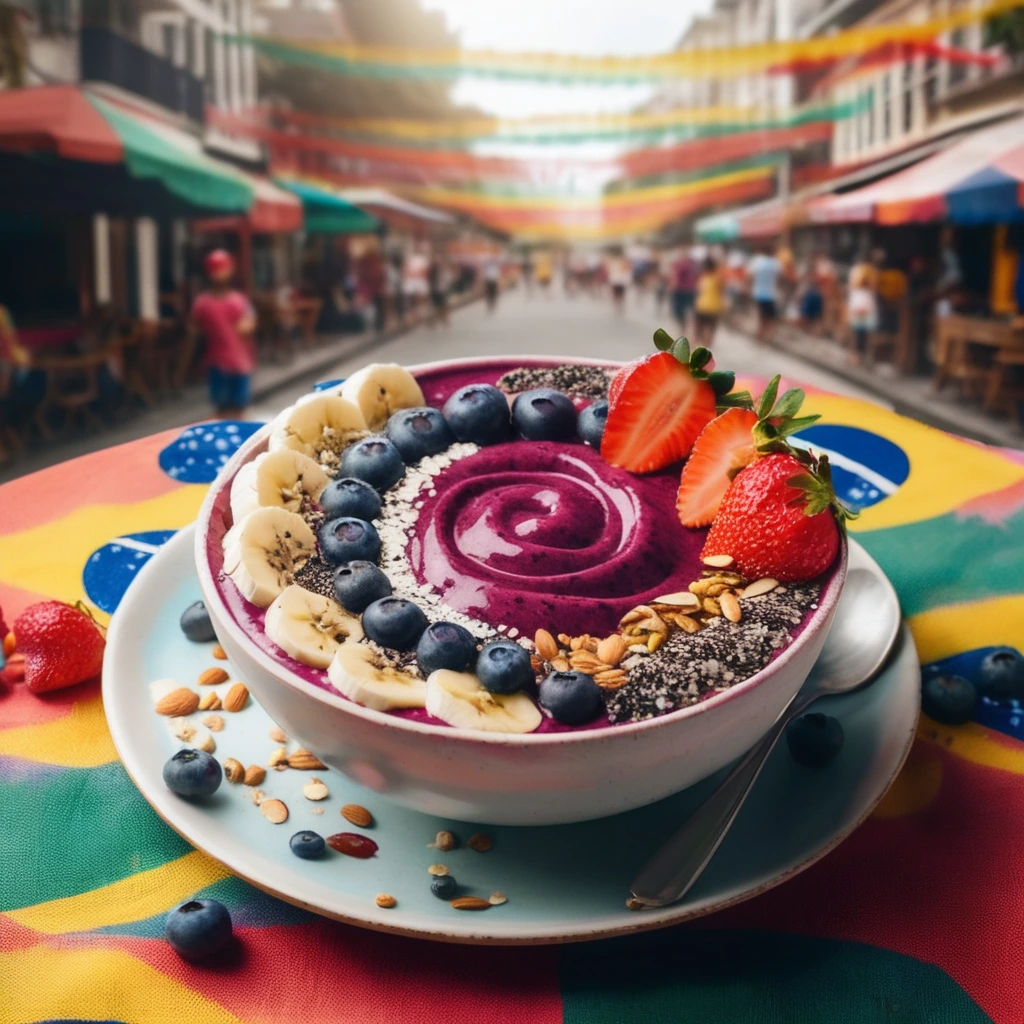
(210, 77)
(869, 115)
(931, 80)
(908, 97)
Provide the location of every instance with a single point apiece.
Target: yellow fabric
(1002, 292)
(710, 299)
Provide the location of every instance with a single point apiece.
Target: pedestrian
(710, 301)
(544, 271)
(765, 270)
(861, 307)
(225, 318)
(415, 284)
(492, 281)
(620, 273)
(393, 286)
(439, 278)
(812, 303)
(684, 288)
(372, 283)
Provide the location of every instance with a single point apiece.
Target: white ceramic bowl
(543, 779)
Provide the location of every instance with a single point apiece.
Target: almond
(545, 644)
(213, 677)
(277, 734)
(682, 599)
(315, 790)
(470, 903)
(209, 702)
(718, 561)
(480, 841)
(233, 770)
(385, 900)
(219, 653)
(274, 811)
(611, 649)
(759, 587)
(236, 697)
(214, 723)
(303, 761)
(497, 898)
(277, 758)
(182, 701)
(730, 606)
(686, 624)
(255, 774)
(654, 641)
(357, 815)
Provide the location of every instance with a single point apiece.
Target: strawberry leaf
(764, 406)
(681, 350)
(721, 381)
(662, 340)
(700, 358)
(733, 399)
(789, 404)
(794, 426)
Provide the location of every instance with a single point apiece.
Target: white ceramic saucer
(563, 883)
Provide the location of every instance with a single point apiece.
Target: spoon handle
(671, 872)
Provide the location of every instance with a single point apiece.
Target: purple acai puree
(524, 535)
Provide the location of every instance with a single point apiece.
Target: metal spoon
(863, 633)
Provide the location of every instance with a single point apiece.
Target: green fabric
(204, 183)
(328, 214)
(697, 976)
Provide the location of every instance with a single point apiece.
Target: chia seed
(571, 379)
(689, 667)
(318, 576)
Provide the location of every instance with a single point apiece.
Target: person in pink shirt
(225, 318)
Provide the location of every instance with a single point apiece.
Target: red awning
(275, 211)
(56, 119)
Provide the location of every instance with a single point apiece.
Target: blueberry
(348, 496)
(1001, 676)
(419, 432)
(948, 699)
(544, 415)
(504, 667)
(478, 413)
(375, 460)
(445, 645)
(591, 423)
(358, 584)
(196, 624)
(394, 622)
(307, 845)
(572, 697)
(198, 928)
(444, 887)
(192, 773)
(348, 540)
(814, 739)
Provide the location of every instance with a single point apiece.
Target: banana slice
(381, 389)
(322, 428)
(309, 627)
(458, 699)
(280, 478)
(360, 675)
(263, 551)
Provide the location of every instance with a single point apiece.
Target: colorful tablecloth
(916, 917)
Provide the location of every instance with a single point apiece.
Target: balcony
(111, 58)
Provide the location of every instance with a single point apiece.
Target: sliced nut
(182, 729)
(314, 790)
(302, 760)
(612, 679)
(233, 770)
(207, 743)
(564, 639)
(497, 898)
(545, 644)
(209, 702)
(630, 617)
(444, 841)
(214, 723)
(277, 734)
(219, 653)
(470, 903)
(257, 796)
(560, 664)
(581, 659)
(699, 588)
(716, 589)
(480, 841)
(437, 870)
(682, 599)
(576, 643)
(212, 677)
(255, 774)
(236, 697)
(611, 649)
(274, 811)
(590, 643)
(730, 606)
(385, 900)
(357, 815)
(654, 641)
(277, 757)
(759, 587)
(711, 606)
(718, 561)
(177, 703)
(537, 664)
(686, 624)
(650, 621)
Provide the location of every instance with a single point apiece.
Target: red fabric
(56, 119)
(218, 317)
(684, 275)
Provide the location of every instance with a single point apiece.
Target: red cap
(219, 264)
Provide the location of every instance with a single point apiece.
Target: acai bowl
(528, 632)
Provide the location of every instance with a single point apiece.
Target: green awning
(185, 171)
(721, 227)
(326, 213)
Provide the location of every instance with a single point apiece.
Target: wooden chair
(1004, 390)
(72, 388)
(135, 346)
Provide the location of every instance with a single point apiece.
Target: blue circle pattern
(110, 570)
(866, 468)
(198, 453)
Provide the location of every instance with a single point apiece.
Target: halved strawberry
(723, 448)
(657, 410)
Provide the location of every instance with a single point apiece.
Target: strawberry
(779, 518)
(732, 441)
(61, 645)
(658, 405)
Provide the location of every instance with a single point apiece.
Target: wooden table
(968, 349)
